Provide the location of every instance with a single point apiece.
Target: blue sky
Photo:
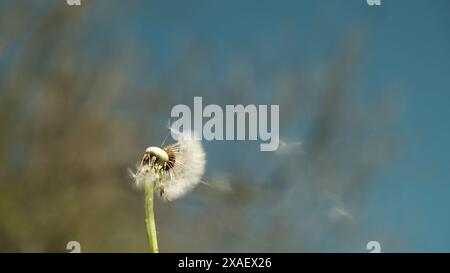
(406, 47)
(409, 47)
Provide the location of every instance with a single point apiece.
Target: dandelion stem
(150, 216)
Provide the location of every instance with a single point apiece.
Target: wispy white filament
(190, 161)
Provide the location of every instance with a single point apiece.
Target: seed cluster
(159, 162)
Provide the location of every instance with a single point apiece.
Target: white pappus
(175, 169)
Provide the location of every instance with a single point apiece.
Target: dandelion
(171, 171)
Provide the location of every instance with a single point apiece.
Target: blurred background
(363, 94)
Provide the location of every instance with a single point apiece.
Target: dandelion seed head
(175, 169)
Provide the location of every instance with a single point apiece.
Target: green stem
(150, 217)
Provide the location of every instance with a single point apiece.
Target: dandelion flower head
(174, 169)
